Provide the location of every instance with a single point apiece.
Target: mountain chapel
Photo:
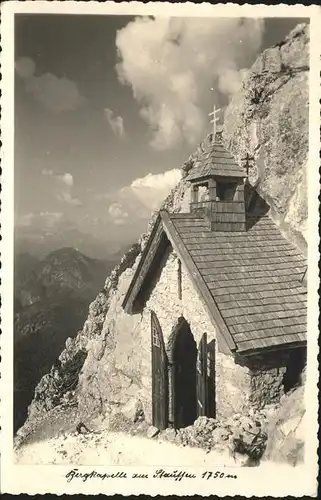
(222, 296)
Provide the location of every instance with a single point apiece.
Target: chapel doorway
(184, 377)
(192, 377)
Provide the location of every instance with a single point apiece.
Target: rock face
(63, 377)
(272, 126)
(286, 430)
(268, 119)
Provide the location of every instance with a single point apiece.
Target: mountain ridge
(52, 296)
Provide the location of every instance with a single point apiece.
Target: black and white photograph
(161, 319)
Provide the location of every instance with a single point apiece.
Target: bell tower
(223, 181)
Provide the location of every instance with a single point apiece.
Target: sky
(108, 108)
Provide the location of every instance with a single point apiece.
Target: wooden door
(159, 376)
(201, 377)
(211, 409)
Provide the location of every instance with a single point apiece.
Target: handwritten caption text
(176, 474)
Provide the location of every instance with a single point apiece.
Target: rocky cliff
(268, 119)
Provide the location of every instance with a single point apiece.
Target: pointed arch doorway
(192, 377)
(184, 378)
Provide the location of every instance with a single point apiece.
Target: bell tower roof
(215, 162)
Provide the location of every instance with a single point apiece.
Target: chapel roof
(215, 161)
(250, 281)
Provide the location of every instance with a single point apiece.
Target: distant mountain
(40, 242)
(51, 304)
(62, 271)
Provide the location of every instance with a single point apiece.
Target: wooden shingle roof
(251, 281)
(254, 278)
(215, 161)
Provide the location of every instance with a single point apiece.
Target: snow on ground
(115, 448)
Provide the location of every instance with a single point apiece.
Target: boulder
(220, 434)
(205, 424)
(152, 432)
(169, 434)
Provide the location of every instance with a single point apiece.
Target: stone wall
(233, 386)
(232, 380)
(256, 381)
(267, 375)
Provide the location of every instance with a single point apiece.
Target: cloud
(117, 213)
(170, 63)
(152, 189)
(43, 219)
(116, 122)
(135, 202)
(66, 197)
(55, 94)
(50, 218)
(66, 179)
(66, 182)
(64, 185)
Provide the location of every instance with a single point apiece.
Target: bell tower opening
(225, 191)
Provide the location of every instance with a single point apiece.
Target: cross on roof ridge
(214, 120)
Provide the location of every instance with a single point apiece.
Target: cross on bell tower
(247, 162)
(214, 120)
